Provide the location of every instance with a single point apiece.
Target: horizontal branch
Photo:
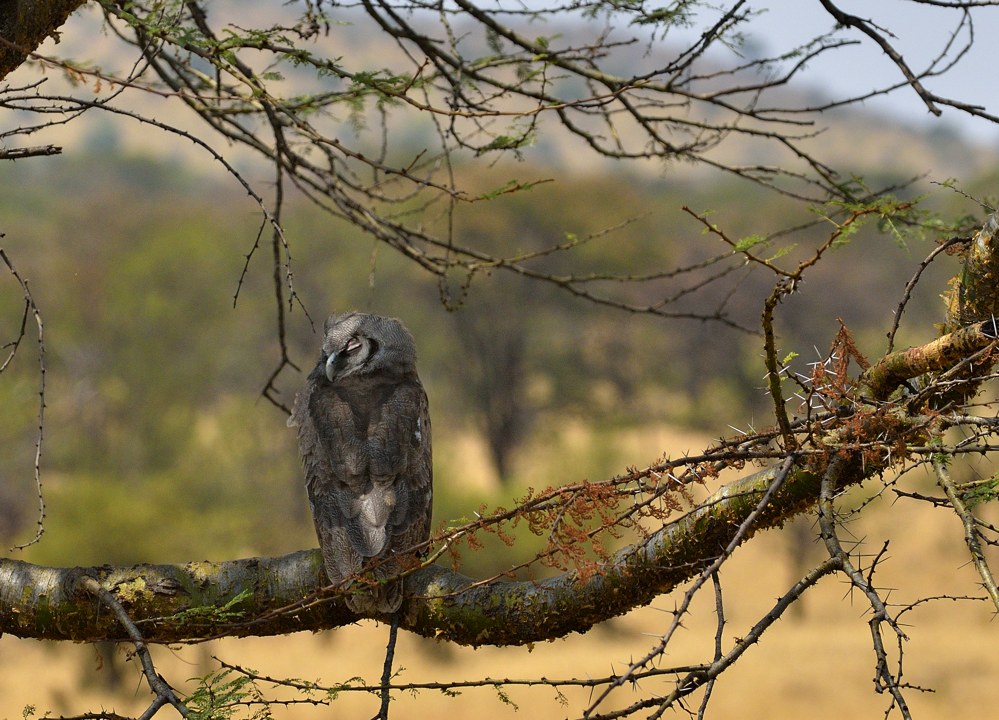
(267, 596)
(26, 152)
(971, 327)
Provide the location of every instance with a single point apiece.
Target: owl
(364, 437)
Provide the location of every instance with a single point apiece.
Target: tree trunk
(25, 24)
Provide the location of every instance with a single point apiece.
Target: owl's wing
(392, 509)
(409, 522)
(321, 419)
(401, 488)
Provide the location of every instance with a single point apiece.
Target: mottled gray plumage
(364, 437)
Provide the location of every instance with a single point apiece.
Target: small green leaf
(982, 492)
(749, 242)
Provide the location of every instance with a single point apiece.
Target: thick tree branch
(26, 152)
(974, 293)
(941, 354)
(173, 603)
(971, 327)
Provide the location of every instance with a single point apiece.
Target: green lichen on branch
(267, 596)
(167, 602)
(974, 293)
(287, 591)
(936, 357)
(969, 330)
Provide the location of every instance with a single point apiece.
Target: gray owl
(364, 437)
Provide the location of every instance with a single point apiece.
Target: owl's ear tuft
(330, 322)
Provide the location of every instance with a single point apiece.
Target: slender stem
(387, 669)
(970, 530)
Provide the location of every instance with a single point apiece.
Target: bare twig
(745, 527)
(29, 303)
(884, 679)
(878, 36)
(910, 286)
(164, 694)
(383, 711)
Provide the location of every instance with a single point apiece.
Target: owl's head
(356, 345)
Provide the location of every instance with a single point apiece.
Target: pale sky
(921, 32)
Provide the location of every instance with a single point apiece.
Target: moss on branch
(971, 327)
(284, 594)
(942, 354)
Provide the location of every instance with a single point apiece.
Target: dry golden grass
(817, 664)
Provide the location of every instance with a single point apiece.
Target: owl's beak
(332, 365)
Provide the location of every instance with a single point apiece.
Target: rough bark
(971, 327)
(974, 292)
(175, 603)
(945, 352)
(25, 24)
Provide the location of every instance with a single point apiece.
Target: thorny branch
(845, 440)
(709, 573)
(357, 685)
(490, 85)
(31, 309)
(884, 679)
(630, 500)
(971, 533)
